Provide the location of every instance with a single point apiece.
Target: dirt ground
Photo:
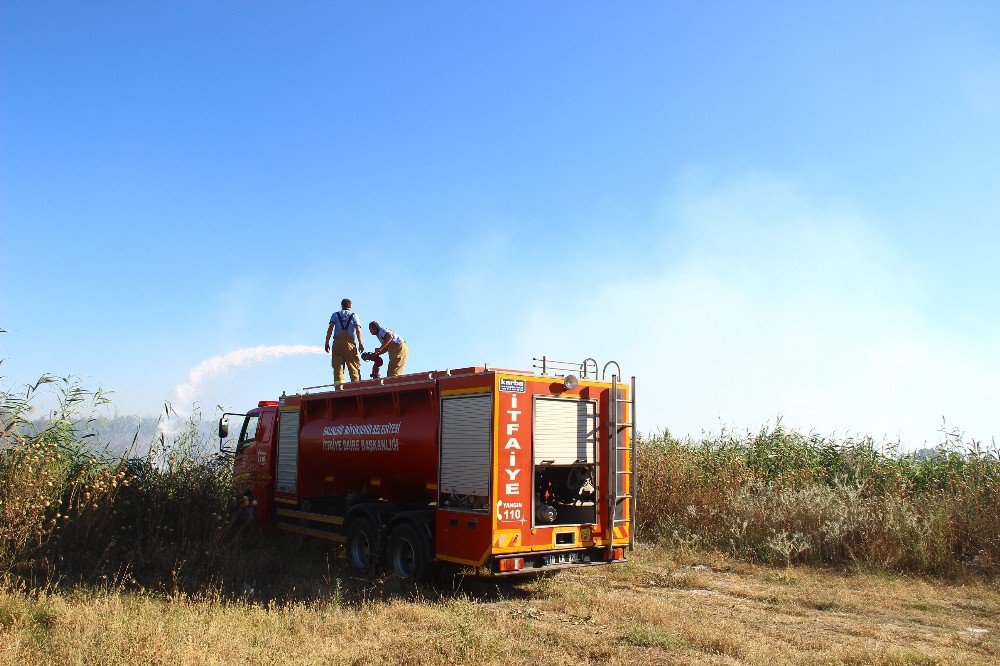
(662, 607)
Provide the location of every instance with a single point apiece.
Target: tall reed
(784, 496)
(168, 518)
(72, 509)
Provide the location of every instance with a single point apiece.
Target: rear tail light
(614, 554)
(512, 564)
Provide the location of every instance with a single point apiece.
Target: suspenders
(340, 318)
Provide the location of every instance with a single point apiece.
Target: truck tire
(362, 546)
(248, 513)
(408, 553)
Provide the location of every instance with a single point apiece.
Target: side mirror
(224, 430)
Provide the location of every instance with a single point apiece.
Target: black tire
(250, 510)
(362, 546)
(408, 554)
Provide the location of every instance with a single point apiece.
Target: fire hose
(374, 358)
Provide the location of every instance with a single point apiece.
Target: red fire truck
(508, 471)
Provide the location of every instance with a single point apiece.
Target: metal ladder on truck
(619, 469)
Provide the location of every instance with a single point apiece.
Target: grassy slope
(662, 607)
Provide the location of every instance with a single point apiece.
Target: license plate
(562, 558)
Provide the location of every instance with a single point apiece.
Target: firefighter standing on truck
(344, 326)
(393, 344)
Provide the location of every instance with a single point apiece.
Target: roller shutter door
(466, 436)
(288, 451)
(565, 431)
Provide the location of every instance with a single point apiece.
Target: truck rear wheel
(250, 511)
(408, 554)
(362, 546)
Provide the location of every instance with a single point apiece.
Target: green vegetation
(168, 520)
(779, 496)
(108, 558)
(72, 511)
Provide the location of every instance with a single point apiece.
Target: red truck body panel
(382, 440)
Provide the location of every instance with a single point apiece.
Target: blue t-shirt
(344, 320)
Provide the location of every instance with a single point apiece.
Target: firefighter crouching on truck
(344, 326)
(393, 344)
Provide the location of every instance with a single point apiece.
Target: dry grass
(781, 496)
(71, 510)
(162, 521)
(662, 607)
(118, 561)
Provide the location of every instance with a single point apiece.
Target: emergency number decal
(513, 492)
(512, 385)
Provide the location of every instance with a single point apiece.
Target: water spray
(186, 393)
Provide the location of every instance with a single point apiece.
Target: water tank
(384, 442)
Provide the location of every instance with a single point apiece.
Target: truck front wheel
(408, 554)
(362, 545)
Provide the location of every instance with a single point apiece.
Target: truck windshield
(249, 432)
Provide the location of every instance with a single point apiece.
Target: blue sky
(761, 209)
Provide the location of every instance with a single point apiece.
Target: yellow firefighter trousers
(397, 358)
(345, 351)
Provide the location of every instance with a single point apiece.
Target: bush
(779, 496)
(70, 509)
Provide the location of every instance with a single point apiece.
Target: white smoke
(187, 393)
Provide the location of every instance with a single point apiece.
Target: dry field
(662, 607)
(110, 559)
